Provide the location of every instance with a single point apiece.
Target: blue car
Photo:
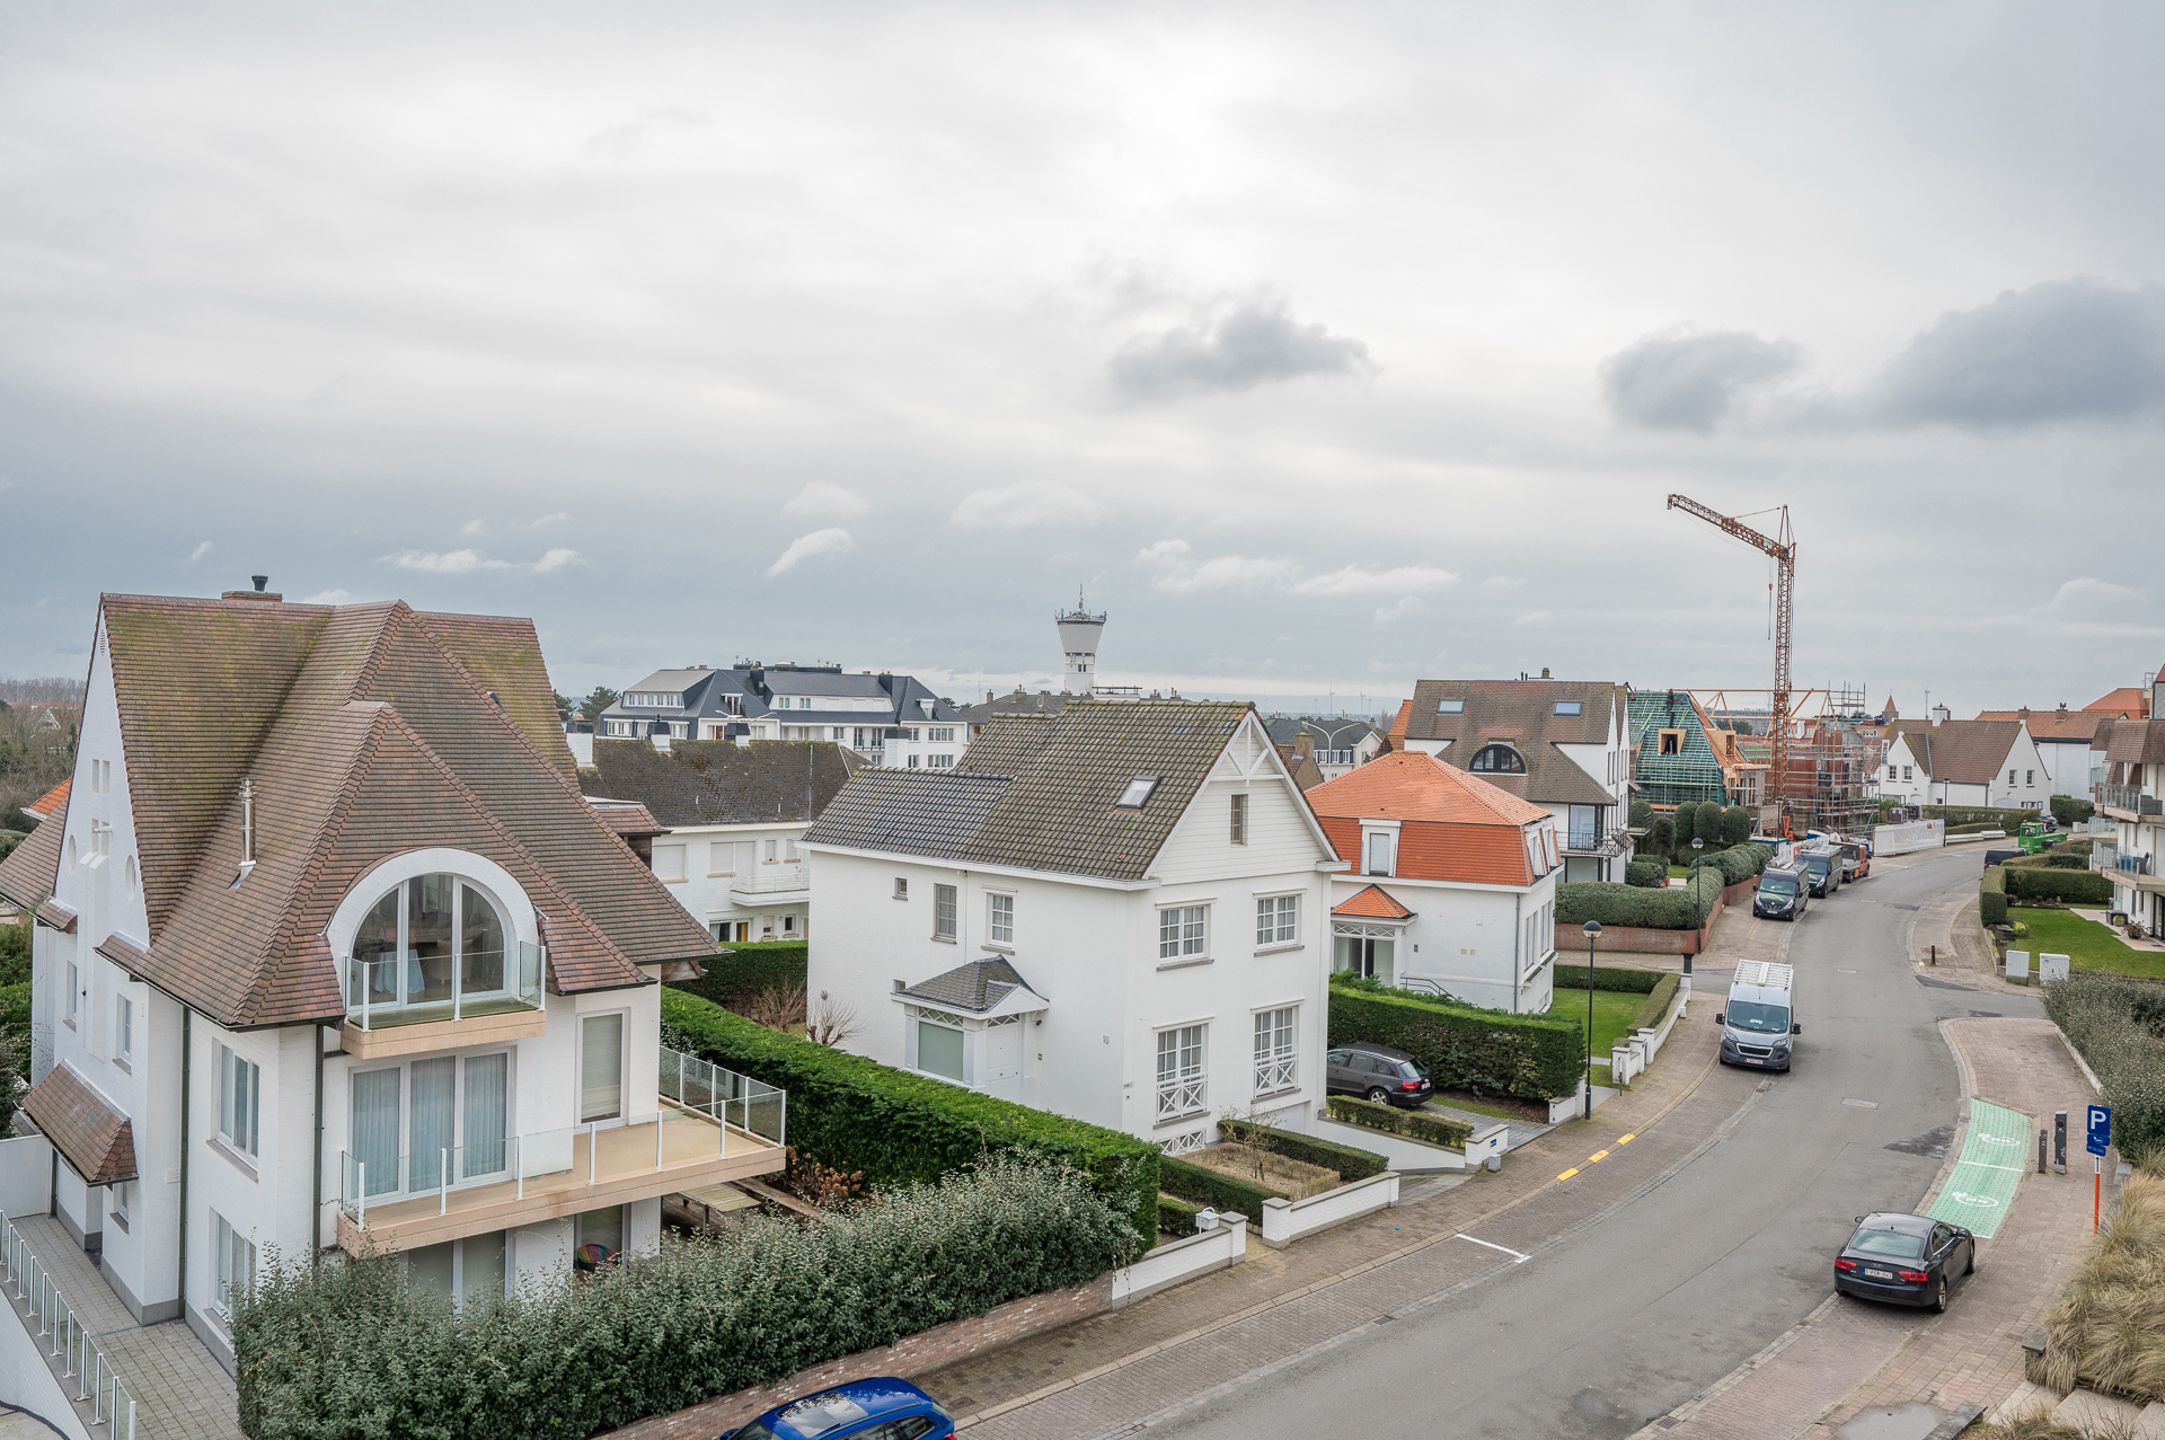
(881, 1409)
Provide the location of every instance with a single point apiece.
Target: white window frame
(233, 1265)
(1277, 1050)
(623, 1065)
(240, 1101)
(1388, 839)
(920, 1019)
(1183, 1085)
(1184, 933)
(676, 872)
(1237, 819)
(1277, 920)
(123, 1028)
(1000, 917)
(72, 1006)
(946, 912)
(117, 1195)
(902, 887)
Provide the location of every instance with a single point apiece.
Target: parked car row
(1815, 871)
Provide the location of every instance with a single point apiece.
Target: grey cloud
(1255, 343)
(2064, 350)
(1691, 381)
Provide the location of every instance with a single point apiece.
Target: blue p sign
(2100, 1130)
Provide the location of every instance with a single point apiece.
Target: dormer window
(1498, 760)
(1138, 792)
(1450, 707)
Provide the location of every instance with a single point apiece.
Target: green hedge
(2082, 887)
(1647, 874)
(749, 968)
(1608, 977)
(1351, 1162)
(1655, 1007)
(1613, 904)
(1421, 1125)
(354, 1352)
(2070, 811)
(2010, 818)
(2116, 1022)
(1992, 896)
(1189, 1181)
(898, 1128)
(1484, 1052)
(1177, 1217)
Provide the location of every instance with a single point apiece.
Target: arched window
(1497, 760)
(131, 874)
(432, 940)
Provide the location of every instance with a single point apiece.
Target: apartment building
(887, 719)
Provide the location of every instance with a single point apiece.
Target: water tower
(1079, 634)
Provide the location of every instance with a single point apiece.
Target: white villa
(1985, 763)
(887, 719)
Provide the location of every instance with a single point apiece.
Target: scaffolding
(1831, 781)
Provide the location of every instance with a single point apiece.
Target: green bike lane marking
(1977, 1196)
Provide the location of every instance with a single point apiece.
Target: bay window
(436, 944)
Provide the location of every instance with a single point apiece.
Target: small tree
(598, 699)
(1736, 825)
(1642, 814)
(1706, 822)
(1661, 834)
(830, 1023)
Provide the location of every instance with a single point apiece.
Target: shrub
(1642, 815)
(2108, 1331)
(1176, 1216)
(1485, 1052)
(2071, 812)
(352, 1352)
(15, 952)
(1647, 874)
(855, 1114)
(2082, 887)
(1736, 825)
(1410, 1124)
(1614, 904)
(748, 969)
(1655, 1007)
(1992, 896)
(1215, 1189)
(1738, 863)
(1350, 1162)
(1608, 977)
(2116, 1022)
(1661, 833)
(1705, 823)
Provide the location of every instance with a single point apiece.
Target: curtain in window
(375, 1128)
(428, 938)
(432, 1114)
(601, 1067)
(481, 943)
(485, 1114)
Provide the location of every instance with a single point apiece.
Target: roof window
(1498, 760)
(1138, 792)
(1569, 707)
(1450, 707)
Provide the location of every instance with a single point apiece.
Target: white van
(1759, 1023)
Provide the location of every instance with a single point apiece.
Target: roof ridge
(491, 703)
(378, 648)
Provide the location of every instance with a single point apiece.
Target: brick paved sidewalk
(1849, 1357)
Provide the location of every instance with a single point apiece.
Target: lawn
(1679, 872)
(1613, 1010)
(2087, 944)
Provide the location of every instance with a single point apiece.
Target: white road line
(1517, 1257)
(1988, 1165)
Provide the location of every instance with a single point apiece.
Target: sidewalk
(1848, 1357)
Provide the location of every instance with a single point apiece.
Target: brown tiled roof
(94, 1138)
(1052, 804)
(626, 817)
(1453, 826)
(1303, 768)
(1521, 713)
(2136, 742)
(719, 782)
(367, 731)
(1961, 752)
(2055, 725)
(32, 868)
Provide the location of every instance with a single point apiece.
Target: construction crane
(1782, 546)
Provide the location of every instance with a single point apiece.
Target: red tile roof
(94, 1138)
(51, 803)
(30, 870)
(1453, 826)
(2127, 702)
(1371, 903)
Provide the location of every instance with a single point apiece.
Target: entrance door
(1003, 1061)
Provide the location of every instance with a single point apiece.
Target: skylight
(1568, 707)
(1450, 707)
(1138, 792)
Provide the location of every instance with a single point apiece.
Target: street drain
(1932, 1144)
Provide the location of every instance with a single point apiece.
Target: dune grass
(2107, 1331)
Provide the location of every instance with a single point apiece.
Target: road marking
(1518, 1257)
(1626, 1139)
(1597, 1157)
(1569, 1173)
(1979, 1192)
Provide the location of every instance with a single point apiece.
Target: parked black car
(1822, 867)
(1904, 1259)
(1376, 1072)
(1782, 895)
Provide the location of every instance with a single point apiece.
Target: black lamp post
(1698, 844)
(1593, 933)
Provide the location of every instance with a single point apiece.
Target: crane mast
(1782, 546)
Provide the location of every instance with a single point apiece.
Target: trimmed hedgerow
(354, 1352)
(1485, 1052)
(747, 969)
(1205, 1186)
(1647, 874)
(1992, 896)
(2070, 811)
(1612, 904)
(1420, 1125)
(1177, 1217)
(898, 1128)
(1351, 1162)
(1608, 977)
(2081, 887)
(2117, 1023)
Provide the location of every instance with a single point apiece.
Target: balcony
(2128, 802)
(782, 883)
(711, 1125)
(402, 1005)
(1579, 840)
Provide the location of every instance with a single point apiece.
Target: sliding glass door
(443, 1120)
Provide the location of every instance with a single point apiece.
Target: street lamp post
(1593, 933)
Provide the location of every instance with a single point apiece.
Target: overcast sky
(1327, 347)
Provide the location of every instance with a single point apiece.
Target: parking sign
(2100, 1130)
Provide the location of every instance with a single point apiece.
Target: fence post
(518, 1162)
(443, 1180)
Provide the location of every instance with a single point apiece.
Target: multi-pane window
(939, 762)
(123, 1027)
(1276, 1063)
(1181, 1087)
(943, 912)
(1183, 932)
(235, 1258)
(1277, 919)
(1240, 820)
(902, 888)
(240, 1092)
(941, 734)
(1000, 918)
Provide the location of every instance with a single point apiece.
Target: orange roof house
(51, 803)
(2129, 702)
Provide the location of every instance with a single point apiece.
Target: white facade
(2022, 780)
(1487, 945)
(1166, 1001)
(1594, 849)
(2070, 765)
(743, 882)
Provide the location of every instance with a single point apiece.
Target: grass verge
(1613, 1012)
(2086, 944)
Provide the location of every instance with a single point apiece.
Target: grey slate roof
(748, 692)
(1522, 714)
(977, 986)
(1018, 702)
(1332, 732)
(718, 782)
(1044, 797)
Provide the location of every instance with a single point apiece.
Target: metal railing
(2129, 798)
(410, 989)
(758, 1108)
(97, 1384)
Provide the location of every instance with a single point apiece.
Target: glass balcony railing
(2129, 798)
(412, 988)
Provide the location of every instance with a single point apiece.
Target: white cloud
(2087, 593)
(201, 549)
(1405, 607)
(1179, 573)
(1530, 617)
(1361, 580)
(554, 517)
(328, 597)
(823, 500)
(469, 561)
(1026, 505)
(830, 541)
(1496, 583)
(556, 559)
(472, 528)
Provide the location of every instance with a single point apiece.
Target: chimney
(259, 593)
(1545, 672)
(1941, 714)
(1304, 746)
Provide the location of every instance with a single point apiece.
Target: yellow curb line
(1597, 1157)
(1569, 1173)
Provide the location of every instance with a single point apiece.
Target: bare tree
(830, 1022)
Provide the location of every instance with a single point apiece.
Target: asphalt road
(1628, 1318)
